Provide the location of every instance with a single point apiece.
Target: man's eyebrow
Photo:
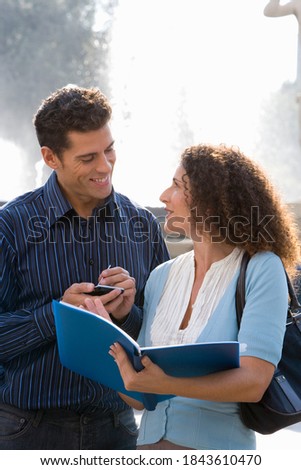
(111, 144)
(85, 155)
(94, 153)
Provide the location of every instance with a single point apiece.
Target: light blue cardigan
(204, 424)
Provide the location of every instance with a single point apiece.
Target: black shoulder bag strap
(240, 293)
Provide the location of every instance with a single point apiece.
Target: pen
(99, 282)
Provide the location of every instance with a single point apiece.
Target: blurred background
(177, 72)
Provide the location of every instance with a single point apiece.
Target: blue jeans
(66, 430)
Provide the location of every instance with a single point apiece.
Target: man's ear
(50, 158)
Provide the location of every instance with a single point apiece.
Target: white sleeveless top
(176, 294)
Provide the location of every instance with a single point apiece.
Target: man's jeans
(66, 430)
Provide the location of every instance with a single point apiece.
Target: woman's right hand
(95, 305)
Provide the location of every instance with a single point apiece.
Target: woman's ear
(50, 158)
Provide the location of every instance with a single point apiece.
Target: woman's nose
(164, 196)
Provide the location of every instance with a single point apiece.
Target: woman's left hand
(151, 379)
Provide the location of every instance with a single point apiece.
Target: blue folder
(84, 340)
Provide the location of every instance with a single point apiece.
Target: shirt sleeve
(24, 329)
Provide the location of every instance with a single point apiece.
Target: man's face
(85, 169)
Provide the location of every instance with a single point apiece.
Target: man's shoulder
(24, 202)
(128, 204)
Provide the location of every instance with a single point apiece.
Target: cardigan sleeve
(264, 317)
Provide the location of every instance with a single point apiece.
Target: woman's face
(176, 200)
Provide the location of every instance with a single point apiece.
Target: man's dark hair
(70, 108)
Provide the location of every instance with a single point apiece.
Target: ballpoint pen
(99, 282)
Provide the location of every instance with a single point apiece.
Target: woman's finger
(96, 306)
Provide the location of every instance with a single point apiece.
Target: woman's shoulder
(265, 258)
(266, 263)
(163, 269)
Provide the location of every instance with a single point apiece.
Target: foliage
(43, 46)
(279, 139)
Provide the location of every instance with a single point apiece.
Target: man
(57, 242)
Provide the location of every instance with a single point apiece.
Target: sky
(221, 58)
(209, 61)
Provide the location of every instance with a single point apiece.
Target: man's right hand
(78, 293)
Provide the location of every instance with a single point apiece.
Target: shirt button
(91, 261)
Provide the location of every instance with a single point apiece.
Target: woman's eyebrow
(176, 180)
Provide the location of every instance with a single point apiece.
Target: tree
(43, 46)
(277, 146)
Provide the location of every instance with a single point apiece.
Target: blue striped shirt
(46, 247)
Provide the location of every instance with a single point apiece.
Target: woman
(223, 201)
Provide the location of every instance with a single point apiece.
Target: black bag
(280, 405)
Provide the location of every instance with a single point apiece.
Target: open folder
(84, 340)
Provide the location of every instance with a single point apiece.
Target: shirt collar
(59, 206)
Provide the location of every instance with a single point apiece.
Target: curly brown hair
(232, 200)
(70, 108)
